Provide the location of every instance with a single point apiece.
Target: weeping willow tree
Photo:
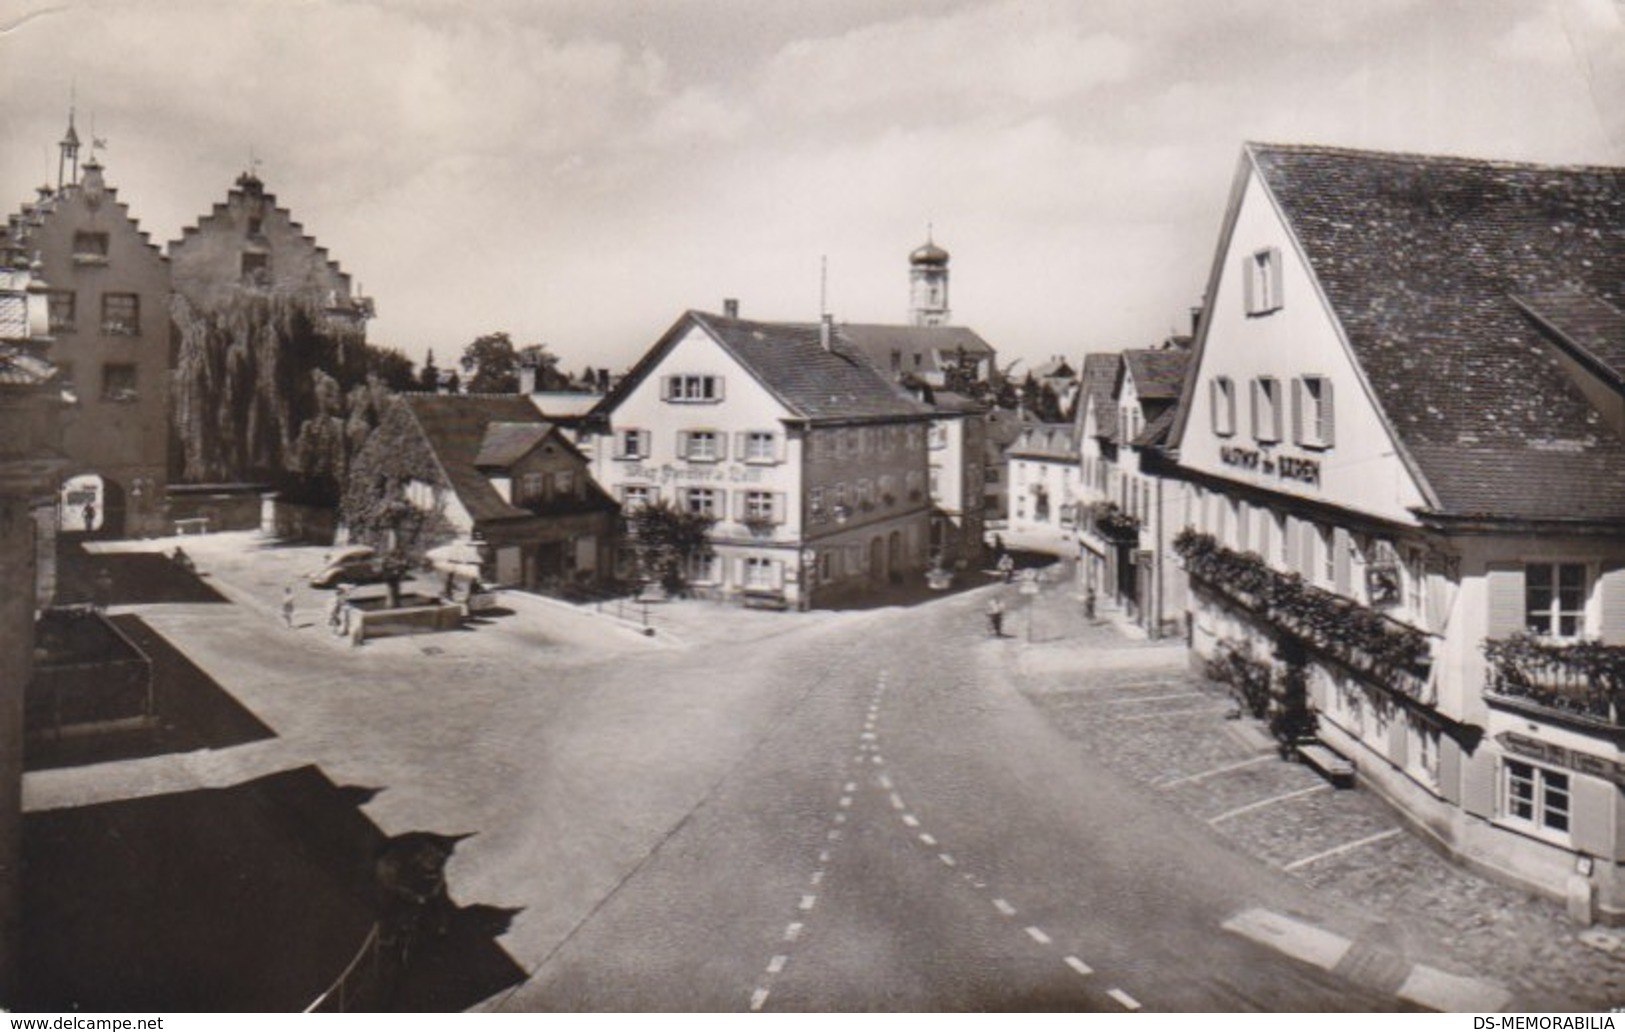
(394, 496)
(246, 383)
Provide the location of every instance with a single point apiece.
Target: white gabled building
(814, 465)
(1043, 474)
(1404, 430)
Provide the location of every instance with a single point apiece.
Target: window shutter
(1504, 585)
(1255, 392)
(719, 388)
(722, 444)
(778, 506)
(645, 439)
(665, 387)
(1326, 425)
(1343, 579)
(1297, 410)
(739, 505)
(1611, 621)
(1307, 550)
(741, 444)
(618, 438)
(1591, 822)
(1249, 290)
(1273, 271)
(1215, 398)
(1450, 769)
(682, 444)
(1275, 413)
(1478, 773)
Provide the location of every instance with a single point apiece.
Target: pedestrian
(88, 514)
(335, 611)
(995, 616)
(287, 606)
(1089, 604)
(1007, 567)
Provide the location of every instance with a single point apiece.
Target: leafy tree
(549, 377)
(429, 375)
(493, 365)
(381, 509)
(391, 368)
(664, 538)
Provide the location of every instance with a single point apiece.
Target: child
(287, 606)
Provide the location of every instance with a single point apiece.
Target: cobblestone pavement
(1139, 707)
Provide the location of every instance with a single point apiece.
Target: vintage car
(356, 565)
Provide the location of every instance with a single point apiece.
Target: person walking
(287, 607)
(335, 611)
(995, 616)
(1007, 567)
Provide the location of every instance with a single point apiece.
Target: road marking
(850, 786)
(807, 902)
(846, 801)
(823, 856)
(1038, 935)
(878, 760)
(1153, 698)
(867, 736)
(927, 839)
(1272, 800)
(817, 876)
(945, 858)
(834, 835)
(840, 818)
(1128, 1002)
(897, 802)
(758, 998)
(885, 782)
(911, 820)
(1344, 848)
(1004, 908)
(792, 931)
(776, 965)
(1079, 966)
(1452, 994)
(1227, 768)
(1193, 711)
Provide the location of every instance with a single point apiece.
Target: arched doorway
(90, 504)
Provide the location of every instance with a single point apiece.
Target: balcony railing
(1582, 679)
(1393, 654)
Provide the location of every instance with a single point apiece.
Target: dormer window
(1262, 279)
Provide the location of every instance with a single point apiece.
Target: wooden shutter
(1478, 774)
(645, 440)
(665, 387)
(719, 382)
(1611, 615)
(1298, 391)
(722, 444)
(1215, 398)
(739, 504)
(1248, 287)
(742, 444)
(1272, 269)
(1593, 806)
(618, 439)
(682, 444)
(1450, 763)
(1326, 425)
(1340, 562)
(778, 506)
(1306, 550)
(1504, 588)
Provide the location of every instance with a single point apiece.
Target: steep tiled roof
(1589, 326)
(838, 384)
(1420, 258)
(879, 340)
(1159, 374)
(1046, 441)
(507, 443)
(1098, 381)
(1156, 431)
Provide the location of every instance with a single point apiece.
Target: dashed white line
(776, 965)
(792, 931)
(1038, 935)
(840, 818)
(817, 876)
(945, 858)
(897, 802)
(885, 782)
(1283, 797)
(758, 998)
(1128, 1002)
(823, 856)
(878, 760)
(808, 902)
(1004, 908)
(927, 839)
(1344, 848)
(850, 786)
(1079, 966)
(911, 820)
(846, 801)
(867, 736)
(834, 835)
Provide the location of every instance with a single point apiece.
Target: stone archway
(89, 504)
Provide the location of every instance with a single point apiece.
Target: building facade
(1402, 433)
(108, 294)
(1044, 490)
(813, 465)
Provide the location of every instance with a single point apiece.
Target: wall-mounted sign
(1558, 756)
(729, 473)
(1287, 467)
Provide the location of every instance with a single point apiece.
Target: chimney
(826, 332)
(603, 381)
(730, 307)
(527, 378)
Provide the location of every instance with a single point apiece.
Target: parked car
(357, 565)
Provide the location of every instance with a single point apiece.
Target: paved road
(912, 835)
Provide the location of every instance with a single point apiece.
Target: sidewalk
(1139, 707)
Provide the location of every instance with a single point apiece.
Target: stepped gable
(1421, 260)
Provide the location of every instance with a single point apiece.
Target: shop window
(1554, 599)
(1536, 796)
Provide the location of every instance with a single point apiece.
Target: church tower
(928, 285)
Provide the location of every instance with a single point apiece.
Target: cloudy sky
(579, 172)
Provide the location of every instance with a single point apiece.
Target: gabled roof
(1419, 259)
(1046, 441)
(506, 443)
(938, 344)
(1097, 383)
(788, 359)
(1159, 374)
(1155, 432)
(458, 428)
(1589, 326)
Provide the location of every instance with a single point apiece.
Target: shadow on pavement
(193, 713)
(251, 898)
(132, 578)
